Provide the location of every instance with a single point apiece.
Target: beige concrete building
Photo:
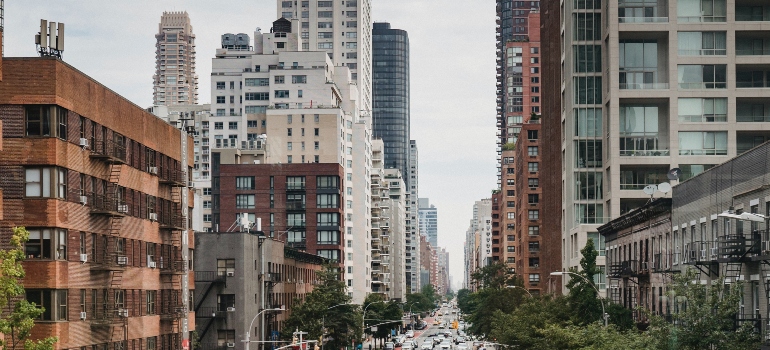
(652, 85)
(175, 81)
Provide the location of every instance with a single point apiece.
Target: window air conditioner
(153, 216)
(230, 345)
(83, 257)
(122, 208)
(83, 200)
(122, 260)
(123, 312)
(230, 273)
(230, 309)
(84, 143)
(190, 184)
(151, 264)
(152, 170)
(83, 315)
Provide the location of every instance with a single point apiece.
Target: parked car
(410, 334)
(445, 346)
(407, 345)
(390, 346)
(462, 346)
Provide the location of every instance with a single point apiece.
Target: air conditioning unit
(83, 315)
(122, 208)
(190, 184)
(151, 264)
(230, 273)
(230, 345)
(714, 253)
(765, 247)
(123, 312)
(83, 200)
(153, 216)
(83, 257)
(230, 309)
(122, 260)
(152, 170)
(703, 254)
(84, 143)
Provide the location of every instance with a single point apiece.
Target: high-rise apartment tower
(175, 81)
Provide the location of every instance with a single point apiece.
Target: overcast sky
(452, 66)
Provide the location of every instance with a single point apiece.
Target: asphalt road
(447, 318)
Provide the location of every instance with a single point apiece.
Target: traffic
(444, 329)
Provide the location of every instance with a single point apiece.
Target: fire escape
(212, 280)
(170, 259)
(111, 313)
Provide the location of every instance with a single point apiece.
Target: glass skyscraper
(391, 95)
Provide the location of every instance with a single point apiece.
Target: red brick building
(300, 204)
(100, 184)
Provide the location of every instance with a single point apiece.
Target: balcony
(642, 11)
(638, 177)
(752, 76)
(649, 145)
(752, 110)
(108, 205)
(746, 140)
(752, 43)
(173, 177)
(732, 248)
(752, 11)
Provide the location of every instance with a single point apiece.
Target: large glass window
(710, 76)
(598, 239)
(244, 201)
(702, 109)
(46, 120)
(295, 220)
(46, 244)
(244, 183)
(639, 131)
(702, 43)
(331, 254)
(295, 183)
(327, 201)
(690, 170)
(328, 219)
(45, 182)
(588, 26)
(588, 122)
(588, 58)
(703, 143)
(638, 64)
(588, 153)
(640, 11)
(590, 213)
(588, 185)
(225, 267)
(328, 237)
(326, 182)
(53, 301)
(588, 90)
(295, 201)
(701, 11)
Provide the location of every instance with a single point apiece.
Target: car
(437, 340)
(445, 345)
(410, 334)
(390, 346)
(407, 345)
(477, 344)
(439, 313)
(426, 346)
(459, 340)
(441, 326)
(448, 334)
(436, 322)
(462, 346)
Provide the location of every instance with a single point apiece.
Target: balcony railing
(645, 153)
(703, 85)
(752, 84)
(642, 19)
(707, 118)
(703, 52)
(702, 152)
(696, 19)
(109, 150)
(108, 204)
(752, 52)
(753, 118)
(738, 246)
(643, 86)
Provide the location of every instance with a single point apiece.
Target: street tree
(17, 316)
(386, 315)
(327, 306)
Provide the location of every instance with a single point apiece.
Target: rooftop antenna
(50, 40)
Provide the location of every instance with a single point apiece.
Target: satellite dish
(664, 187)
(674, 174)
(650, 189)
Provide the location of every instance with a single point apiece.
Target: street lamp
(363, 317)
(563, 273)
(522, 288)
(323, 323)
(247, 341)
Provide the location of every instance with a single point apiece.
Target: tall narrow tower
(175, 81)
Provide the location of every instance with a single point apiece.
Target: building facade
(390, 91)
(647, 91)
(412, 222)
(175, 81)
(101, 185)
(241, 274)
(428, 220)
(341, 29)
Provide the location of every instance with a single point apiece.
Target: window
(534, 230)
(327, 201)
(244, 201)
(532, 134)
(588, 90)
(532, 151)
(511, 249)
(511, 238)
(150, 297)
(295, 183)
(702, 43)
(588, 58)
(328, 182)
(511, 204)
(225, 336)
(232, 125)
(206, 204)
(325, 14)
(219, 125)
(587, 26)
(221, 112)
(220, 85)
(598, 240)
(704, 110)
(46, 182)
(534, 277)
(295, 201)
(701, 11)
(225, 267)
(257, 82)
(206, 217)
(296, 238)
(53, 301)
(328, 237)
(299, 79)
(324, 46)
(533, 214)
(225, 301)
(325, 35)
(279, 79)
(46, 244)
(257, 96)
(532, 166)
(533, 183)
(351, 45)
(533, 198)
(295, 220)
(281, 93)
(244, 182)
(332, 254)
(702, 143)
(220, 99)
(328, 219)
(709, 76)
